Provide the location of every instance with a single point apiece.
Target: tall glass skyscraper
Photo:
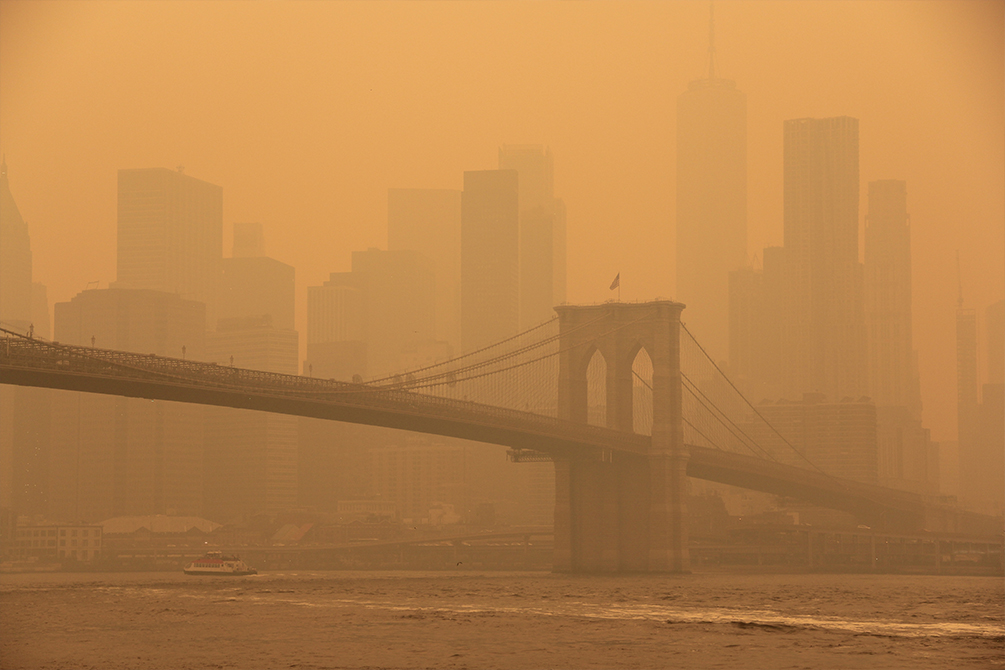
(825, 322)
(490, 257)
(893, 374)
(711, 202)
(542, 232)
(170, 234)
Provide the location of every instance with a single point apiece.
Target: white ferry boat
(218, 563)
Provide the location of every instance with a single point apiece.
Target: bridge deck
(28, 362)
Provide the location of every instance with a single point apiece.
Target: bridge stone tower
(617, 512)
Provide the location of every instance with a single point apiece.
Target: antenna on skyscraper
(959, 281)
(711, 40)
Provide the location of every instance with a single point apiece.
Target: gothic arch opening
(596, 390)
(642, 393)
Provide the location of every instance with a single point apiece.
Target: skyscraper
(979, 420)
(15, 260)
(362, 322)
(490, 257)
(967, 399)
(429, 221)
(893, 377)
(757, 319)
(711, 216)
(116, 456)
(251, 457)
(336, 348)
(420, 473)
(837, 437)
(170, 234)
(825, 326)
(542, 231)
(24, 412)
(399, 304)
(994, 320)
(989, 436)
(252, 284)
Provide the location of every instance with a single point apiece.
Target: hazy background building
(490, 257)
(893, 372)
(24, 412)
(907, 456)
(15, 260)
(798, 325)
(824, 329)
(251, 457)
(981, 410)
(399, 305)
(542, 231)
(368, 322)
(991, 415)
(113, 456)
(335, 331)
(757, 315)
(170, 234)
(837, 437)
(967, 399)
(418, 473)
(711, 218)
(429, 221)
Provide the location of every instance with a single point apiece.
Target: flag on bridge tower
(617, 282)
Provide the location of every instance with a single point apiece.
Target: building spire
(711, 41)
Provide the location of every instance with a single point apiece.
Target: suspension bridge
(620, 396)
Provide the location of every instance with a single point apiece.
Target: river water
(490, 620)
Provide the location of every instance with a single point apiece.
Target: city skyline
(383, 309)
(611, 226)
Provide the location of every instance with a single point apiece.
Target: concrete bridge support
(616, 511)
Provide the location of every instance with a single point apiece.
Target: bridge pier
(615, 511)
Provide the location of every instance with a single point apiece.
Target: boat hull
(218, 564)
(221, 573)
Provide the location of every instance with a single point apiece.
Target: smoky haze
(306, 113)
(481, 290)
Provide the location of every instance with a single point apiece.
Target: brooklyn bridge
(620, 487)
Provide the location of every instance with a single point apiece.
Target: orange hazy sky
(306, 112)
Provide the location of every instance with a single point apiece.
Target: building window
(62, 533)
(62, 543)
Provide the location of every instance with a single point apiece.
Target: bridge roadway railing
(38, 355)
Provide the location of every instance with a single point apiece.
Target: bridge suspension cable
(510, 355)
(469, 354)
(709, 363)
